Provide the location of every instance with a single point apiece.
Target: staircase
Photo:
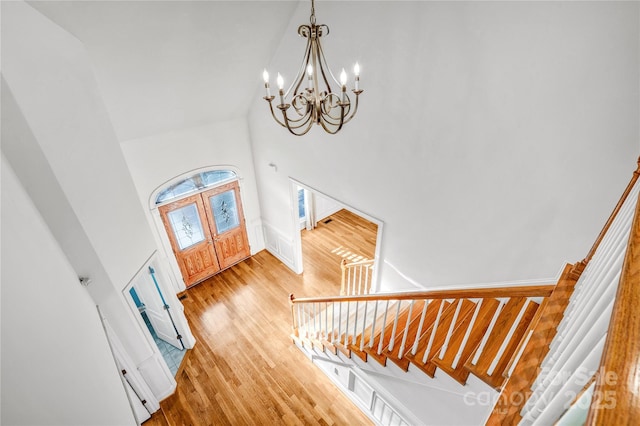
(564, 354)
(458, 332)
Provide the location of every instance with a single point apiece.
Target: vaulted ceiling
(163, 66)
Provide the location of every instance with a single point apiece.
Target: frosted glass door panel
(186, 226)
(225, 211)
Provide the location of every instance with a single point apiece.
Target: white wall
(493, 138)
(56, 365)
(59, 139)
(50, 75)
(156, 160)
(324, 207)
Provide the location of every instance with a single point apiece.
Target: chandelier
(313, 101)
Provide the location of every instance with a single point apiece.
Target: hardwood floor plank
(244, 368)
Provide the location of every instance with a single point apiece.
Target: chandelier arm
(299, 78)
(295, 123)
(324, 64)
(328, 108)
(333, 125)
(273, 114)
(303, 107)
(355, 109)
(308, 123)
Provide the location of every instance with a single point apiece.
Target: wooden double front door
(207, 232)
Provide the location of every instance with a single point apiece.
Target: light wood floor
(244, 369)
(342, 235)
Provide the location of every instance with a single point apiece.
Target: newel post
(343, 266)
(294, 326)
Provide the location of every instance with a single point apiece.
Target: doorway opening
(171, 354)
(332, 233)
(159, 311)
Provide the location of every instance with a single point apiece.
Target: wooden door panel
(226, 219)
(200, 263)
(232, 247)
(187, 227)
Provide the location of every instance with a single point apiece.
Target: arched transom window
(194, 184)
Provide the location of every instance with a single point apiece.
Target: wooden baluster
(384, 328)
(395, 327)
(333, 322)
(483, 342)
(452, 326)
(303, 319)
(505, 342)
(340, 321)
(406, 330)
(343, 267)
(315, 327)
(373, 325)
(326, 322)
(467, 333)
(346, 327)
(353, 281)
(364, 325)
(367, 269)
(355, 326)
(425, 358)
(319, 315)
(419, 332)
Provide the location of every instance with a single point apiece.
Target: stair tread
(386, 336)
(414, 324)
(503, 325)
(440, 336)
(478, 329)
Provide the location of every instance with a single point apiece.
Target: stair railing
(357, 277)
(591, 328)
(616, 397)
(575, 352)
(418, 327)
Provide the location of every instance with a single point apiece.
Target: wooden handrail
(480, 293)
(617, 393)
(359, 262)
(613, 215)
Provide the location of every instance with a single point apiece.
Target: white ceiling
(163, 66)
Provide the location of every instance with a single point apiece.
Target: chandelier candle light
(315, 103)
